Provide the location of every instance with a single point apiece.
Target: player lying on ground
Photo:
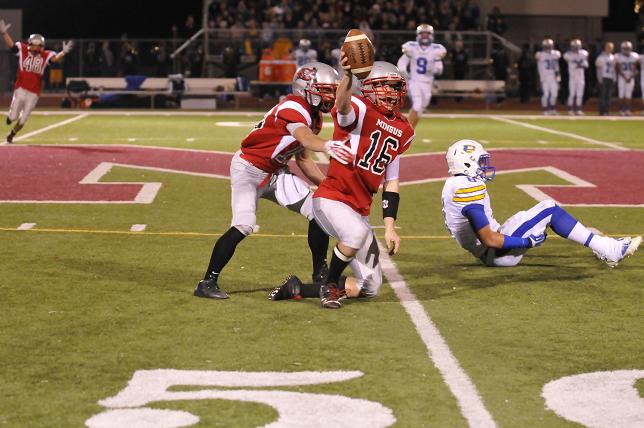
(32, 61)
(378, 134)
(259, 169)
(468, 216)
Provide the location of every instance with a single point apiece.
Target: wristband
(512, 242)
(390, 202)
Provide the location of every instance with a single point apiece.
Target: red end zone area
(72, 174)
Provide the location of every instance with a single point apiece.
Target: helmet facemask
(485, 167)
(388, 93)
(36, 43)
(425, 38)
(321, 95)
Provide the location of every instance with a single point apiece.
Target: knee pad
(246, 229)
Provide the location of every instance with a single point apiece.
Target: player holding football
(259, 169)
(33, 58)
(378, 133)
(577, 59)
(424, 59)
(548, 67)
(626, 66)
(468, 216)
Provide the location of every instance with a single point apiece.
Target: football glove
(339, 151)
(67, 46)
(537, 240)
(3, 26)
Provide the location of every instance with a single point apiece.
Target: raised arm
(5, 35)
(343, 93)
(67, 46)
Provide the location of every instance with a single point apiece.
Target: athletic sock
(319, 245)
(570, 228)
(313, 290)
(223, 252)
(338, 263)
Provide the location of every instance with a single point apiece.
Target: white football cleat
(580, 113)
(629, 246)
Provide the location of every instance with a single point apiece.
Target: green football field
(89, 307)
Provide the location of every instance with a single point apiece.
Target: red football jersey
(270, 145)
(376, 141)
(31, 67)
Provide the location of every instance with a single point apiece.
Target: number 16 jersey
(376, 141)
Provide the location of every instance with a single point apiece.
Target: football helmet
(36, 42)
(575, 45)
(626, 47)
(385, 86)
(468, 157)
(548, 45)
(424, 34)
(305, 44)
(316, 82)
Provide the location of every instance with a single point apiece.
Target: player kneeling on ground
(468, 216)
(32, 61)
(259, 169)
(378, 134)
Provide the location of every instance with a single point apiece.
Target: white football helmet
(575, 45)
(305, 44)
(626, 47)
(316, 82)
(548, 45)
(469, 158)
(424, 34)
(385, 86)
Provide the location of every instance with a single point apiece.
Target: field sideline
(98, 287)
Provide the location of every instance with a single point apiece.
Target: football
(358, 48)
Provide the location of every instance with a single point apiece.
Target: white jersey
(605, 64)
(459, 192)
(548, 64)
(628, 63)
(302, 57)
(577, 62)
(424, 61)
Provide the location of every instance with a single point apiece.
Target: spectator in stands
(91, 66)
(459, 59)
(161, 60)
(128, 59)
(106, 60)
(526, 67)
(230, 57)
(188, 29)
(496, 22)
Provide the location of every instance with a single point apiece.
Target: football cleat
(320, 276)
(10, 137)
(629, 246)
(330, 296)
(209, 289)
(8, 121)
(289, 289)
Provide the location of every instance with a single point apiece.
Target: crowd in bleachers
(273, 15)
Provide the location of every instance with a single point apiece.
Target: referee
(605, 65)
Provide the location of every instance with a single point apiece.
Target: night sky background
(154, 18)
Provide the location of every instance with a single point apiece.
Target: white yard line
(52, 126)
(459, 383)
(562, 133)
(26, 226)
(542, 142)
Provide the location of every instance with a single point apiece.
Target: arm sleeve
(345, 120)
(403, 62)
(393, 170)
(475, 214)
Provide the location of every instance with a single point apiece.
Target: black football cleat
(210, 290)
(10, 137)
(330, 296)
(8, 121)
(319, 277)
(289, 289)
